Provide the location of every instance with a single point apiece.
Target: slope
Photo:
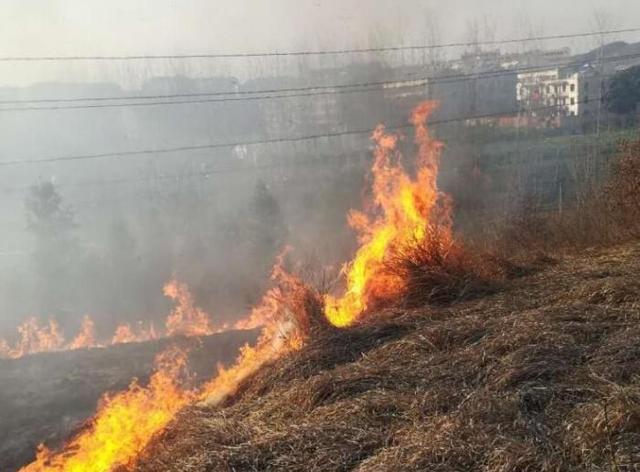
(542, 375)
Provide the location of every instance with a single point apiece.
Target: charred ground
(542, 375)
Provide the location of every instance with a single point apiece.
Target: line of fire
(319, 236)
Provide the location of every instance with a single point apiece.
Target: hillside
(45, 397)
(542, 375)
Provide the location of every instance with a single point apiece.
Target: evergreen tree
(623, 96)
(52, 225)
(266, 227)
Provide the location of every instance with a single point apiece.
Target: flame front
(403, 211)
(123, 424)
(125, 334)
(32, 339)
(284, 316)
(186, 319)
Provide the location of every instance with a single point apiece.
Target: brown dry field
(543, 375)
(45, 397)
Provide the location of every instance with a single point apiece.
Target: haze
(79, 27)
(217, 216)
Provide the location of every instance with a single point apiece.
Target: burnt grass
(46, 397)
(541, 375)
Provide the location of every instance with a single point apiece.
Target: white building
(553, 92)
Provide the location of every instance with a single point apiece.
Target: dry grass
(456, 375)
(604, 214)
(622, 190)
(543, 375)
(438, 273)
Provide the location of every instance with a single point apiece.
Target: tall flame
(284, 314)
(403, 213)
(403, 210)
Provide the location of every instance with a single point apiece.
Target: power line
(313, 53)
(229, 145)
(211, 172)
(253, 168)
(289, 92)
(216, 94)
(213, 100)
(186, 148)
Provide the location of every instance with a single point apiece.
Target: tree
(433, 57)
(623, 95)
(266, 226)
(601, 20)
(52, 225)
(46, 215)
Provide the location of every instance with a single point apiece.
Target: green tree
(623, 95)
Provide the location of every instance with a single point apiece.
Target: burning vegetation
(541, 376)
(127, 421)
(432, 391)
(186, 319)
(404, 214)
(406, 238)
(124, 422)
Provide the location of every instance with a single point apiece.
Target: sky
(92, 27)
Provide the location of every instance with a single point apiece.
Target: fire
(403, 212)
(33, 338)
(125, 334)
(86, 338)
(124, 423)
(285, 316)
(186, 319)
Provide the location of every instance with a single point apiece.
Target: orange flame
(126, 422)
(403, 211)
(125, 334)
(284, 317)
(5, 349)
(186, 319)
(406, 210)
(123, 424)
(32, 339)
(86, 338)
